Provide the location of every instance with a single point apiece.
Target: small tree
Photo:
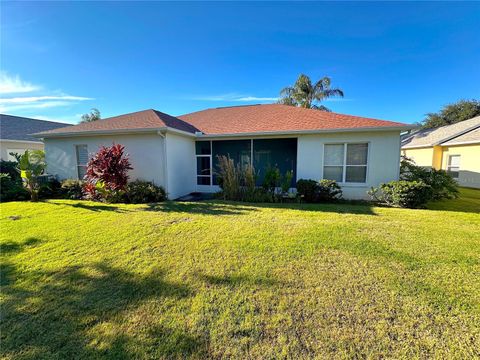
(106, 177)
(31, 165)
(272, 179)
(93, 115)
(452, 113)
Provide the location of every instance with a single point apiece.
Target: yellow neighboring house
(455, 148)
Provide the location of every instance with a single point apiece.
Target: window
(345, 163)
(203, 150)
(453, 167)
(82, 160)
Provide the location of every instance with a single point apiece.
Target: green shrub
(72, 189)
(319, 191)
(402, 193)
(143, 192)
(443, 186)
(307, 189)
(271, 179)
(287, 181)
(12, 189)
(50, 188)
(328, 190)
(258, 195)
(10, 168)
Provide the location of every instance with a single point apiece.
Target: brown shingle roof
(146, 119)
(274, 118)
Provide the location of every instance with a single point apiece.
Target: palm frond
(321, 107)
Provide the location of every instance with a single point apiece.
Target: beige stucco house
(455, 148)
(181, 153)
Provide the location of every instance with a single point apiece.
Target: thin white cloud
(234, 97)
(35, 99)
(15, 85)
(339, 99)
(256, 98)
(38, 98)
(32, 106)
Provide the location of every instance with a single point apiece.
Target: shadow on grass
(10, 248)
(13, 247)
(220, 207)
(204, 208)
(72, 313)
(236, 280)
(412, 281)
(467, 202)
(356, 208)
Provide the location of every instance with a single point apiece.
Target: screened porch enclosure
(262, 154)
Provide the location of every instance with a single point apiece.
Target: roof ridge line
(465, 131)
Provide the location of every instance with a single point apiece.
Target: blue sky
(395, 61)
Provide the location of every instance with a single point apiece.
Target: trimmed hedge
(319, 191)
(402, 193)
(143, 192)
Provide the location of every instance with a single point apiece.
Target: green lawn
(83, 280)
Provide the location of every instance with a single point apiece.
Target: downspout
(165, 167)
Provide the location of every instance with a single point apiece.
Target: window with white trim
(345, 163)
(453, 166)
(203, 151)
(82, 160)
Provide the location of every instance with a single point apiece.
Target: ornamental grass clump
(229, 176)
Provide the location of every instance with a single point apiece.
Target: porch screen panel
(275, 152)
(238, 150)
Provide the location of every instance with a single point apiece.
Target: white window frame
(450, 166)
(75, 147)
(211, 167)
(344, 165)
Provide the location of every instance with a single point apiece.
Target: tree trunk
(34, 196)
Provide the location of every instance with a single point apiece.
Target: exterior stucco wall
(146, 153)
(181, 165)
(170, 161)
(469, 174)
(7, 146)
(422, 157)
(383, 158)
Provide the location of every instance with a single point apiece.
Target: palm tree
(304, 94)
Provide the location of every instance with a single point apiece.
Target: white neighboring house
(16, 134)
(179, 153)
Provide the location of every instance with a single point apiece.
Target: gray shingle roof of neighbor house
(233, 120)
(21, 128)
(471, 137)
(441, 135)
